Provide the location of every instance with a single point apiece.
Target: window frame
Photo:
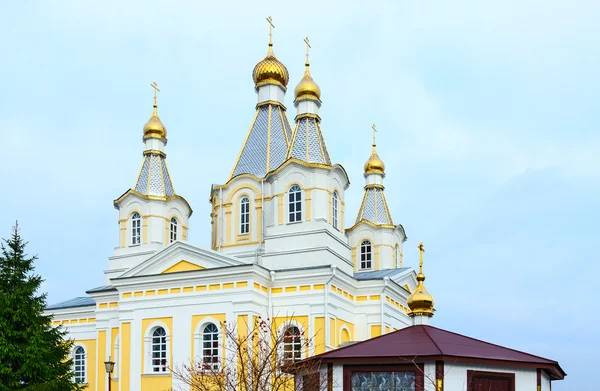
(367, 246)
(281, 349)
(244, 222)
(199, 342)
(148, 356)
(213, 337)
(334, 209)
(418, 369)
(472, 374)
(136, 224)
(74, 352)
(173, 229)
(297, 212)
(397, 256)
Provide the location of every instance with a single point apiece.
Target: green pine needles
(34, 355)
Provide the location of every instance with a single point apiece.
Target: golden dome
(155, 128)
(307, 88)
(420, 301)
(374, 165)
(270, 71)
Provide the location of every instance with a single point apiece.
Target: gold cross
(421, 250)
(155, 86)
(271, 27)
(307, 47)
(374, 132)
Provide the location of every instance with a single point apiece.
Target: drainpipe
(386, 280)
(327, 328)
(272, 273)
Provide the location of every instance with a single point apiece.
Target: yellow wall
(113, 335)
(125, 346)
(319, 335)
(339, 325)
(153, 382)
(90, 351)
(375, 331)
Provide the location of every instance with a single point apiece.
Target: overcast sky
(487, 117)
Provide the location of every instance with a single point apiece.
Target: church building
(283, 245)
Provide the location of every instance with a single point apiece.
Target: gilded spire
(154, 128)
(420, 301)
(307, 88)
(374, 165)
(270, 70)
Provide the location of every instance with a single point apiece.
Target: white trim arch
(281, 348)
(347, 329)
(199, 341)
(147, 359)
(77, 363)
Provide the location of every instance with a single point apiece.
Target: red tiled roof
(421, 342)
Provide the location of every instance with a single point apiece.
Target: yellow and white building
(279, 248)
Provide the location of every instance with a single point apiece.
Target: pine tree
(33, 353)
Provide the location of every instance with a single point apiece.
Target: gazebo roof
(425, 343)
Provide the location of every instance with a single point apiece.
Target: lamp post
(110, 366)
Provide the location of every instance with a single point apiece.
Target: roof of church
(308, 143)
(266, 144)
(154, 179)
(432, 343)
(374, 207)
(76, 302)
(379, 274)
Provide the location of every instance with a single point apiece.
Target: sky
(487, 118)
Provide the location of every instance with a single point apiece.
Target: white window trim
(240, 214)
(396, 256)
(198, 341)
(372, 260)
(283, 328)
(131, 235)
(335, 200)
(344, 327)
(302, 205)
(148, 349)
(173, 234)
(85, 362)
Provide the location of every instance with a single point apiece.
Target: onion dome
(154, 128)
(307, 88)
(420, 301)
(270, 71)
(374, 165)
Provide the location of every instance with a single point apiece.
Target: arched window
(292, 344)
(244, 215)
(136, 228)
(159, 350)
(173, 229)
(334, 209)
(295, 204)
(79, 364)
(365, 254)
(210, 347)
(397, 256)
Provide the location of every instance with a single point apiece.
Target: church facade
(283, 246)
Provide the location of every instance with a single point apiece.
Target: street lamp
(110, 366)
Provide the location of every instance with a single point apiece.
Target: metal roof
(72, 303)
(428, 342)
(103, 288)
(379, 274)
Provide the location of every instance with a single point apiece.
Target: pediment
(181, 257)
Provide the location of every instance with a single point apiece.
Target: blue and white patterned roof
(154, 179)
(308, 143)
(374, 207)
(266, 144)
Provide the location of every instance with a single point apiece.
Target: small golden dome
(154, 127)
(307, 88)
(270, 71)
(420, 301)
(374, 165)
